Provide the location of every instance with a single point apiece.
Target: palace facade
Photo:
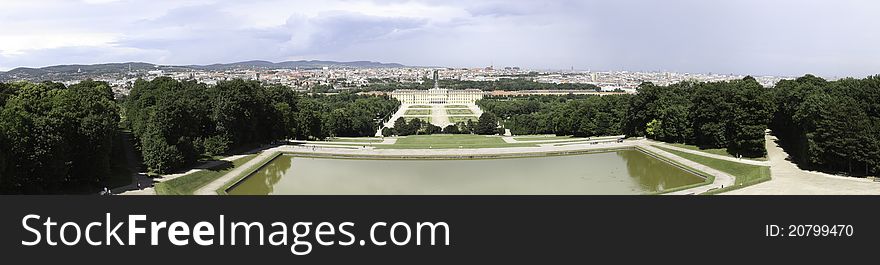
(437, 95)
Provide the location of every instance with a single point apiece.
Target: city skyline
(793, 38)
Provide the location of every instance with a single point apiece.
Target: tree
(432, 129)
(451, 129)
(829, 125)
(487, 124)
(752, 112)
(55, 137)
(469, 127)
(415, 126)
(339, 124)
(401, 127)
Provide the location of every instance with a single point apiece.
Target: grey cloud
(346, 29)
(789, 37)
(79, 55)
(211, 42)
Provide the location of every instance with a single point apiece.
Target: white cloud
(14, 45)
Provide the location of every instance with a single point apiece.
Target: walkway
(397, 114)
(788, 179)
(137, 176)
(513, 140)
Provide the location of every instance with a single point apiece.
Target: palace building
(437, 95)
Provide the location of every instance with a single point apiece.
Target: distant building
(437, 95)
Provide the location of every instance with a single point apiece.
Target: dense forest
(730, 115)
(578, 115)
(833, 126)
(824, 125)
(178, 123)
(55, 138)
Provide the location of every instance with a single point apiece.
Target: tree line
(179, 122)
(731, 114)
(54, 138)
(830, 125)
(578, 115)
(486, 124)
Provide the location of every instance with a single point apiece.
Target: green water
(618, 172)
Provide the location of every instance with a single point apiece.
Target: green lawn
(186, 185)
(358, 140)
(424, 119)
(457, 119)
(715, 151)
(456, 106)
(543, 137)
(420, 107)
(417, 112)
(564, 137)
(745, 174)
(459, 112)
(449, 141)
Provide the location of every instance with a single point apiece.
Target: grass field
(457, 119)
(420, 107)
(459, 112)
(715, 151)
(456, 106)
(449, 141)
(424, 119)
(543, 137)
(417, 112)
(745, 174)
(186, 185)
(358, 140)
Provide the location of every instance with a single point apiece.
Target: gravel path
(788, 179)
(439, 116)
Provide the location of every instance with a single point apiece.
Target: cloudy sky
(785, 37)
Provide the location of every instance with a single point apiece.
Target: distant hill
(91, 68)
(61, 72)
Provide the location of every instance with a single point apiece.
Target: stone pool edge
(221, 185)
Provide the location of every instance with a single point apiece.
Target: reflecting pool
(615, 172)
